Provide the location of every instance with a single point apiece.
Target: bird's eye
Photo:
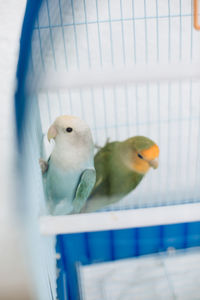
(69, 129)
(140, 156)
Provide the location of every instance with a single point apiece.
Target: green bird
(120, 166)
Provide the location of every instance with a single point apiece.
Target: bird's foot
(43, 165)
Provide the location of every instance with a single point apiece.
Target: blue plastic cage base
(96, 247)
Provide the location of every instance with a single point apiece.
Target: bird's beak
(154, 163)
(52, 132)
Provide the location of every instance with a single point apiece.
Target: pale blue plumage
(69, 174)
(67, 192)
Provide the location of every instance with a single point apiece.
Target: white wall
(14, 276)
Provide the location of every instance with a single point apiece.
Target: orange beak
(151, 156)
(154, 163)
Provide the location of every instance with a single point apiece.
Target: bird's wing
(102, 165)
(84, 188)
(101, 191)
(100, 158)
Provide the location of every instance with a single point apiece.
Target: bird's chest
(65, 169)
(122, 180)
(74, 159)
(62, 184)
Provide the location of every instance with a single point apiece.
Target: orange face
(151, 153)
(145, 159)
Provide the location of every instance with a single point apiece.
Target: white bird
(69, 174)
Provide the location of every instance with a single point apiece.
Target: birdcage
(127, 67)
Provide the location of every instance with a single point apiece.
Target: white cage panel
(166, 112)
(87, 34)
(91, 35)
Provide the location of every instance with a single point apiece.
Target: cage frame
(188, 221)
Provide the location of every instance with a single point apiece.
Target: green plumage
(115, 178)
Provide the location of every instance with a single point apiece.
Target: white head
(70, 131)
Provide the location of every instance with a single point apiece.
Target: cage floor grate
(175, 275)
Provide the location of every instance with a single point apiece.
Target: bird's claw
(43, 165)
